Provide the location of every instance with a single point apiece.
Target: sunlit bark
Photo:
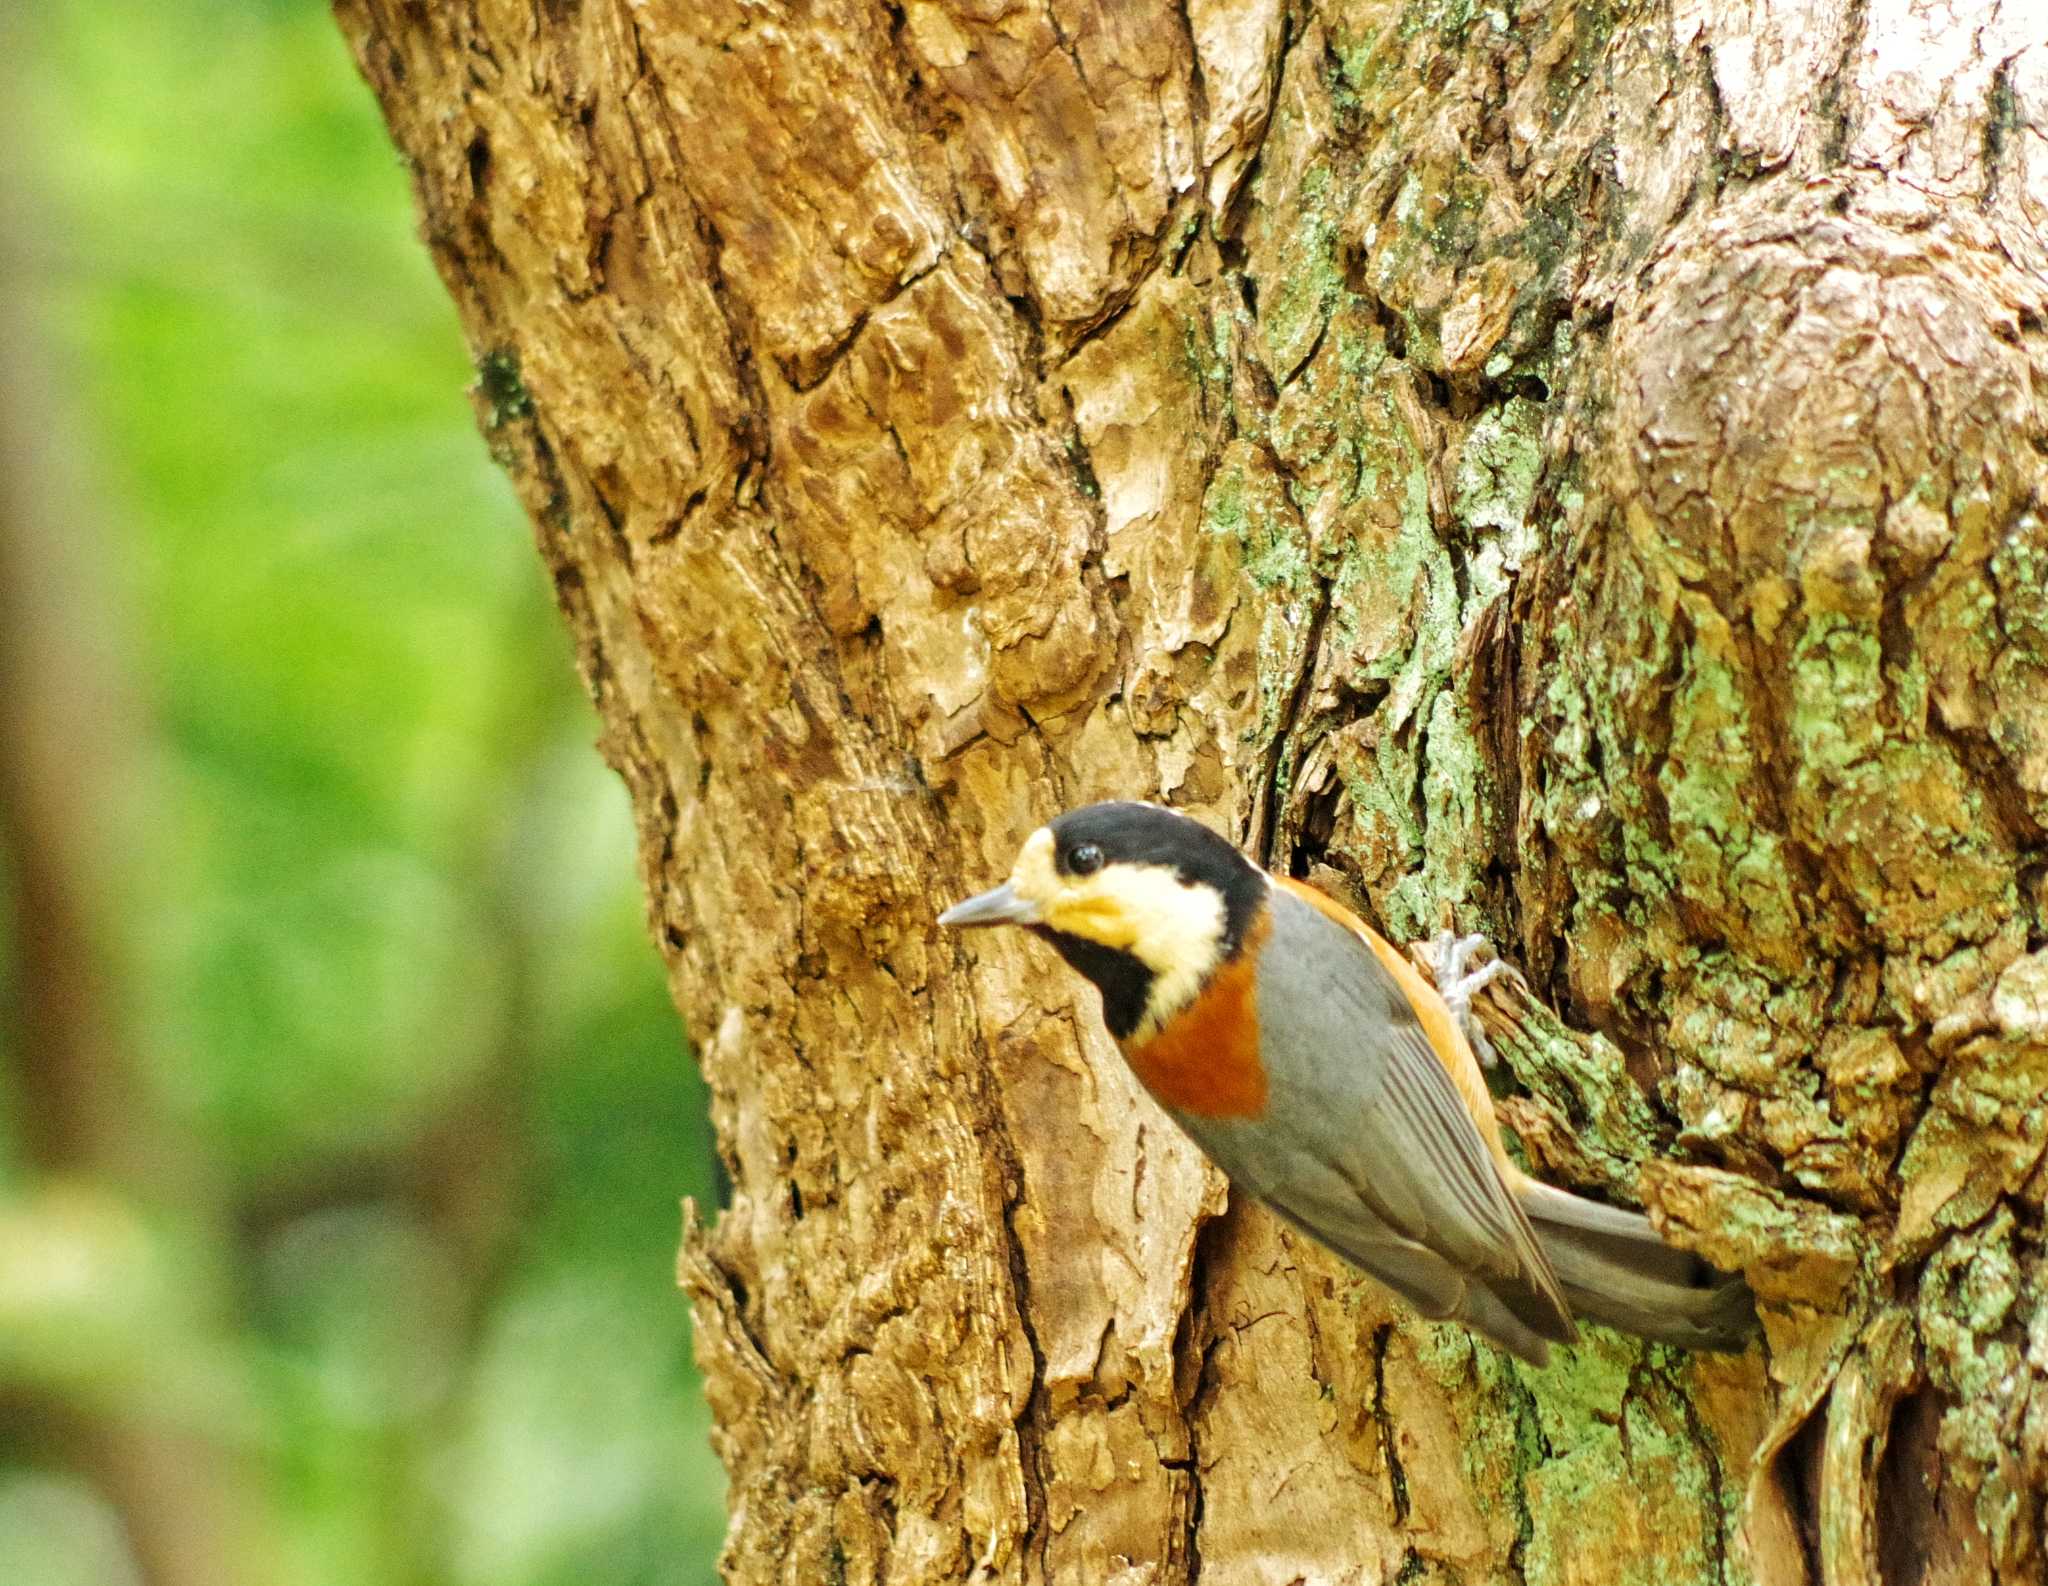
(1574, 470)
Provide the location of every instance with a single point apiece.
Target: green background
(383, 1254)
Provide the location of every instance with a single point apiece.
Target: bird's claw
(1449, 955)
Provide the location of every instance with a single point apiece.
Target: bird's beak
(998, 906)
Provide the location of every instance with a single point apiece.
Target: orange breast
(1205, 1059)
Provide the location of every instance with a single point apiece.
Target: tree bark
(1570, 469)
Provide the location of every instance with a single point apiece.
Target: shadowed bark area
(1574, 470)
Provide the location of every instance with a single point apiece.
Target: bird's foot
(1450, 954)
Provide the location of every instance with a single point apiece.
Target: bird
(1332, 1082)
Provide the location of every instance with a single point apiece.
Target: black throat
(1123, 980)
(1125, 983)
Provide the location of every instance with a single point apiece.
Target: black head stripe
(1145, 834)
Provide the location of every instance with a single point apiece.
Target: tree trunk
(1574, 470)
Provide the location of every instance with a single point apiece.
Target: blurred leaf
(579, 1424)
(374, 872)
(55, 1531)
(364, 1327)
(332, 1006)
(366, 1309)
(102, 1302)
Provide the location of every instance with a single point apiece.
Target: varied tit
(1326, 1077)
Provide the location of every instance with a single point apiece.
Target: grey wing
(1366, 1146)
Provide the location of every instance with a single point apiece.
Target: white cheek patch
(1173, 988)
(1171, 927)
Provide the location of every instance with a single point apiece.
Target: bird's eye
(1085, 860)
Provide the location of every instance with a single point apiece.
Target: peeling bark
(1571, 469)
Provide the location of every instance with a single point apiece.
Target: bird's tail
(1616, 1270)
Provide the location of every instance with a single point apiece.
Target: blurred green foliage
(377, 954)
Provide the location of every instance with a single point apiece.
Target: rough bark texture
(1574, 469)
